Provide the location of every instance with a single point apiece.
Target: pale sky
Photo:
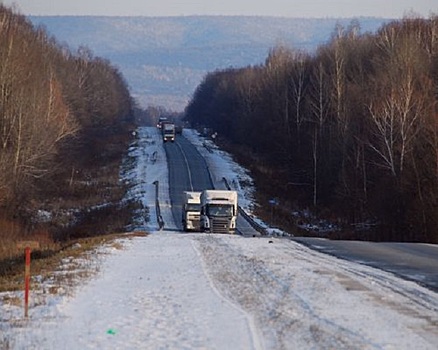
(284, 8)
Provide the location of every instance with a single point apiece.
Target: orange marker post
(26, 281)
(27, 245)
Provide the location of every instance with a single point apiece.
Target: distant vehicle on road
(178, 129)
(161, 121)
(168, 130)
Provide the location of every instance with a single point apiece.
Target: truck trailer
(191, 211)
(161, 121)
(218, 211)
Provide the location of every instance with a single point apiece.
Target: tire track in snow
(301, 299)
(256, 340)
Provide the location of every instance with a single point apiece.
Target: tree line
(55, 106)
(350, 131)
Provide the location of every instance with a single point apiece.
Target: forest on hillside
(63, 115)
(350, 132)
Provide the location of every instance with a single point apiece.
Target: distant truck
(191, 211)
(218, 211)
(161, 121)
(168, 130)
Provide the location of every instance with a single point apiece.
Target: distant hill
(164, 58)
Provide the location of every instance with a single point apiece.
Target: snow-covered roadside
(198, 291)
(302, 299)
(152, 294)
(146, 166)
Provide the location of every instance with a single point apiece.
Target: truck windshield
(220, 210)
(193, 207)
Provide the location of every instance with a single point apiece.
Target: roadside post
(27, 246)
(273, 202)
(157, 206)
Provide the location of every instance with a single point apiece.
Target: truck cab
(191, 211)
(218, 211)
(168, 130)
(161, 121)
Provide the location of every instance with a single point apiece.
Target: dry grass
(46, 262)
(74, 212)
(81, 206)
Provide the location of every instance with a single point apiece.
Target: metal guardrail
(256, 226)
(206, 164)
(157, 207)
(207, 147)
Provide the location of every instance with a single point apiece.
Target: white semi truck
(191, 210)
(218, 211)
(168, 130)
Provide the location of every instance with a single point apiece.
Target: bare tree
(319, 103)
(277, 72)
(299, 84)
(399, 103)
(34, 117)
